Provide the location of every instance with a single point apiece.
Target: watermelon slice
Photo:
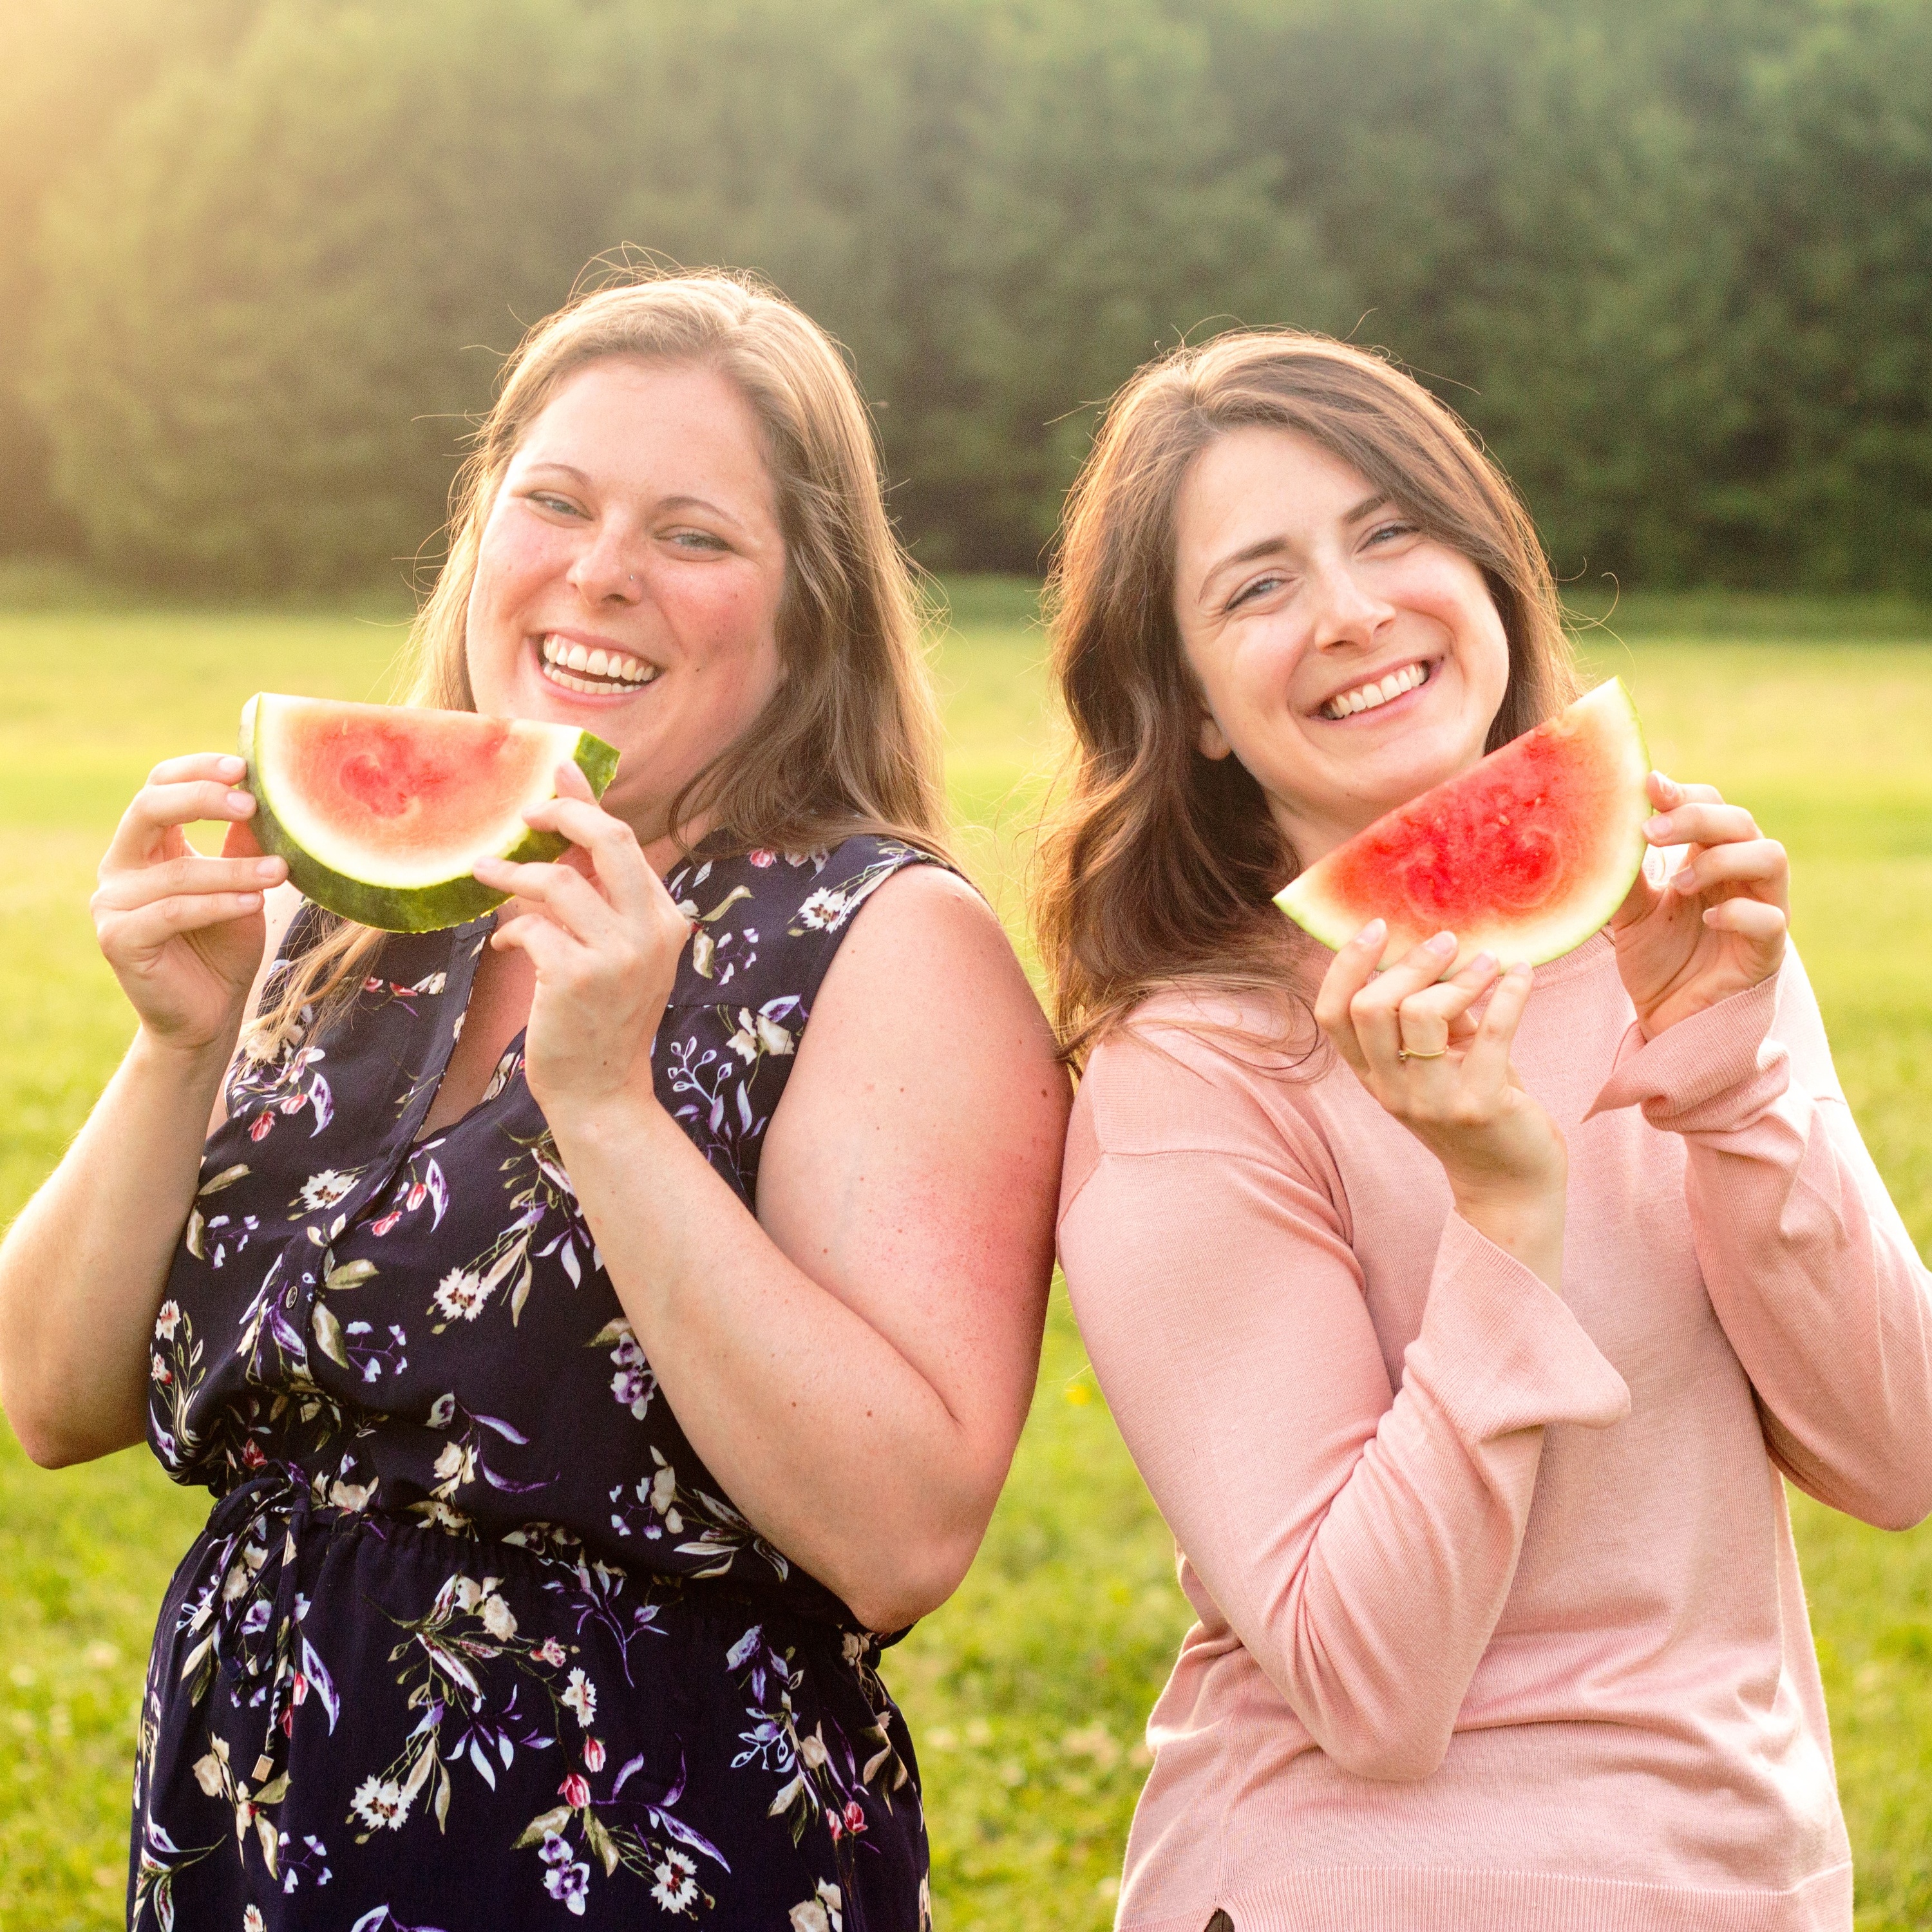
(1525, 856)
(381, 810)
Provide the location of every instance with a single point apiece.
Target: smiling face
(1347, 661)
(629, 577)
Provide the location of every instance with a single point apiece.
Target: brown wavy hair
(851, 742)
(1157, 868)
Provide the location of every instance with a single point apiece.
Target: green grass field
(1027, 1692)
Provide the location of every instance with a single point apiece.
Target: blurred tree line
(259, 258)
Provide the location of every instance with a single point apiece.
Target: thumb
(1640, 901)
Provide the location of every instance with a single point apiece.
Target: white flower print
(252, 1920)
(380, 1802)
(325, 1189)
(823, 1912)
(824, 911)
(456, 1465)
(566, 1880)
(774, 1038)
(549, 1651)
(351, 1495)
(581, 1697)
(677, 1887)
(460, 1295)
(498, 1618)
(635, 1382)
(168, 1321)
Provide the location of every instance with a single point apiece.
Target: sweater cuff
(1499, 1352)
(1713, 1073)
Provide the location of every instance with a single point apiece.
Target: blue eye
(1260, 586)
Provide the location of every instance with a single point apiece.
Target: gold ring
(1409, 1053)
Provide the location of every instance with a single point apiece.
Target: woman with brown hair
(1461, 1320)
(603, 1323)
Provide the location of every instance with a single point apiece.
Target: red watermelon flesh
(1525, 856)
(382, 811)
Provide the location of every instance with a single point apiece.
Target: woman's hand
(1717, 926)
(605, 937)
(185, 933)
(1409, 1035)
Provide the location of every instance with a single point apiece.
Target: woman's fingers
(1487, 1063)
(159, 808)
(573, 901)
(1666, 794)
(1426, 1021)
(147, 929)
(189, 876)
(1374, 1009)
(1754, 862)
(1701, 825)
(616, 857)
(1749, 919)
(1351, 969)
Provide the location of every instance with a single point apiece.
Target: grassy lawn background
(1027, 1692)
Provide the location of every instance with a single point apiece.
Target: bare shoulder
(926, 943)
(926, 1045)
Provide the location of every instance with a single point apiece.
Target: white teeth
(1366, 698)
(603, 670)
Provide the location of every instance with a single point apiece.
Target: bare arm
(82, 1268)
(854, 1365)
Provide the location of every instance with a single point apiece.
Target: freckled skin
(638, 511)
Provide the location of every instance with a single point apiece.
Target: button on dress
(472, 1637)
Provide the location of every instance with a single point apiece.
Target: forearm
(82, 1269)
(834, 1447)
(1817, 1283)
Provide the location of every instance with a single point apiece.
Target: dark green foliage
(1672, 257)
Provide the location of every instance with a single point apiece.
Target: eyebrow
(1269, 546)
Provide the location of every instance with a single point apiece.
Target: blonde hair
(852, 742)
(1158, 869)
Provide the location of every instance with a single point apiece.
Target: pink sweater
(1500, 1625)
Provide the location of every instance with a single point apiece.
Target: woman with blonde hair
(1461, 1321)
(604, 1323)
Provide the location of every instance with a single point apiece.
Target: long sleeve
(1360, 1541)
(1810, 1268)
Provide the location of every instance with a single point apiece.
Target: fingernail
(1656, 827)
(241, 803)
(1443, 942)
(268, 868)
(1683, 879)
(232, 768)
(1373, 933)
(1484, 962)
(1521, 970)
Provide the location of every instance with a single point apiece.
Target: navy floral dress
(472, 1639)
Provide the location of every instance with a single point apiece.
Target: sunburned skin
(629, 576)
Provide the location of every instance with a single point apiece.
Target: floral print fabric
(472, 1637)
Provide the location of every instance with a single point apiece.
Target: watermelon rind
(397, 903)
(1608, 717)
